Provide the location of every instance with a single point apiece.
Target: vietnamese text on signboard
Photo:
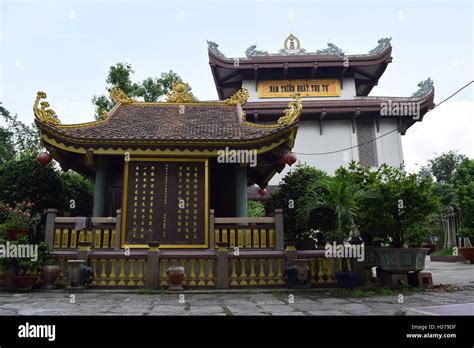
(306, 88)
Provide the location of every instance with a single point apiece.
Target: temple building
(171, 167)
(167, 164)
(339, 119)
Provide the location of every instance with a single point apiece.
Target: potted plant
(21, 268)
(395, 219)
(306, 240)
(19, 219)
(340, 196)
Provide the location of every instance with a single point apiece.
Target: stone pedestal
(152, 266)
(222, 266)
(393, 280)
(420, 279)
(74, 274)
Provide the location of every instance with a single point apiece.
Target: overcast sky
(65, 49)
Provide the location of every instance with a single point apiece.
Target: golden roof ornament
(239, 97)
(292, 45)
(290, 115)
(43, 113)
(293, 112)
(119, 96)
(180, 93)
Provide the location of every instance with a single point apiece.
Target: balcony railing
(104, 232)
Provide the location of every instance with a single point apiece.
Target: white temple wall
(337, 134)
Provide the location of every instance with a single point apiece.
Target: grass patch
(444, 252)
(145, 291)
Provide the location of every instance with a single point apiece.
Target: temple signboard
(165, 200)
(306, 88)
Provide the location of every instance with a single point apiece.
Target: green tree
(399, 208)
(150, 89)
(7, 148)
(442, 167)
(17, 137)
(26, 180)
(463, 184)
(80, 190)
(293, 186)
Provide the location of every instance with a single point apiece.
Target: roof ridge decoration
(383, 43)
(331, 49)
(42, 113)
(252, 52)
(213, 46)
(180, 93)
(424, 87)
(290, 115)
(292, 45)
(239, 97)
(119, 96)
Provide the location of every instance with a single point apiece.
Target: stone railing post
(279, 229)
(211, 229)
(152, 266)
(50, 225)
(291, 253)
(118, 232)
(222, 266)
(84, 250)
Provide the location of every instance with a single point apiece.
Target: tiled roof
(156, 121)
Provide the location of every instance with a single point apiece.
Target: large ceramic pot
(24, 282)
(467, 253)
(175, 277)
(400, 260)
(49, 275)
(16, 233)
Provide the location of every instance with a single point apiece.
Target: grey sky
(65, 49)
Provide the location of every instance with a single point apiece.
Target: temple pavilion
(158, 161)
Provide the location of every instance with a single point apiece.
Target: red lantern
(262, 192)
(289, 158)
(44, 158)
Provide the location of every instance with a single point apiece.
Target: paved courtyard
(236, 303)
(442, 300)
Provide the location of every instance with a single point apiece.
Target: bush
(79, 189)
(292, 187)
(255, 209)
(26, 180)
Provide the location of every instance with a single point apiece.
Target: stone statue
(424, 87)
(383, 43)
(252, 51)
(214, 48)
(354, 235)
(331, 49)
